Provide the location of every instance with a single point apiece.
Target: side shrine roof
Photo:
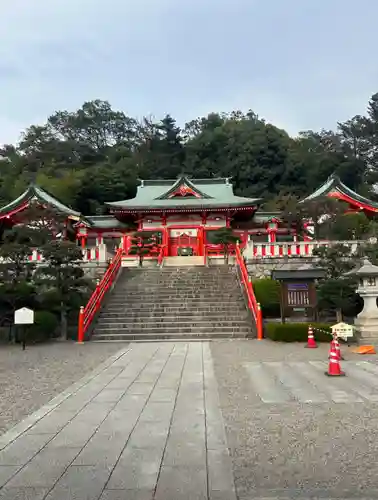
(34, 192)
(335, 188)
(184, 193)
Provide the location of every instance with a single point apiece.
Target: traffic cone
(311, 344)
(332, 347)
(337, 348)
(334, 368)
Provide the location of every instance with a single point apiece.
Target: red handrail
(88, 312)
(253, 305)
(161, 255)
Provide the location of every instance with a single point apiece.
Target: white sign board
(343, 330)
(24, 316)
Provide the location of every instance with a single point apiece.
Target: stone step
(179, 303)
(131, 337)
(227, 307)
(159, 317)
(182, 287)
(167, 297)
(173, 329)
(173, 300)
(163, 324)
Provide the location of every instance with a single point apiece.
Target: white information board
(24, 316)
(343, 330)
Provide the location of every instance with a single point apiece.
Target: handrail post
(260, 333)
(80, 333)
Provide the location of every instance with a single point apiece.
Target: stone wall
(260, 268)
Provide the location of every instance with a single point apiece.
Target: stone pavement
(278, 382)
(292, 432)
(145, 425)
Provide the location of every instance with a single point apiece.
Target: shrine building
(183, 213)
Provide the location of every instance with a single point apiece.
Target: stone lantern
(367, 321)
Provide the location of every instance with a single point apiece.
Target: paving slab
(135, 430)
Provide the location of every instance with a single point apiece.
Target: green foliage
(336, 292)
(267, 292)
(297, 332)
(95, 154)
(61, 281)
(44, 327)
(225, 237)
(141, 244)
(353, 226)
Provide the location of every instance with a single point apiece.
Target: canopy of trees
(96, 154)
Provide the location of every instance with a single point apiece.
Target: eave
(198, 209)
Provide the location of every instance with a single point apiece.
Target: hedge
(44, 328)
(267, 292)
(297, 332)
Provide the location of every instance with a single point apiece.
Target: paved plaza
(202, 421)
(146, 425)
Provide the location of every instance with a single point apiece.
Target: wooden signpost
(24, 316)
(343, 331)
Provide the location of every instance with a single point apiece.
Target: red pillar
(165, 241)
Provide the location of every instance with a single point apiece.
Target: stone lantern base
(367, 330)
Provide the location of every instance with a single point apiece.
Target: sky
(300, 64)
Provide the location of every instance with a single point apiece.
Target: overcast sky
(298, 63)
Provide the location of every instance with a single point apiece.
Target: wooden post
(80, 332)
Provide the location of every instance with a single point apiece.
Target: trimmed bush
(44, 328)
(297, 332)
(267, 292)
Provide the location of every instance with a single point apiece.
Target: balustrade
(259, 250)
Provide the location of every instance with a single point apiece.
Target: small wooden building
(298, 291)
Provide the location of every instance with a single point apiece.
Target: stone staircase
(174, 304)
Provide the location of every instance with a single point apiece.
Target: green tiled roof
(105, 222)
(334, 184)
(266, 216)
(212, 193)
(35, 192)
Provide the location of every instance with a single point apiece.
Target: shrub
(45, 325)
(267, 292)
(297, 332)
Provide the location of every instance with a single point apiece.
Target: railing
(161, 256)
(88, 312)
(253, 305)
(292, 249)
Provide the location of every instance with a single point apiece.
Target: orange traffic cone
(334, 368)
(332, 347)
(337, 348)
(311, 344)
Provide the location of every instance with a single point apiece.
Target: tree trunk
(63, 322)
(339, 316)
(140, 260)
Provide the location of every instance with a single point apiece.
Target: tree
(225, 237)
(319, 213)
(353, 226)
(17, 287)
(141, 244)
(336, 292)
(62, 279)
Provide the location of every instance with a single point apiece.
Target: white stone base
(183, 261)
(367, 328)
(134, 262)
